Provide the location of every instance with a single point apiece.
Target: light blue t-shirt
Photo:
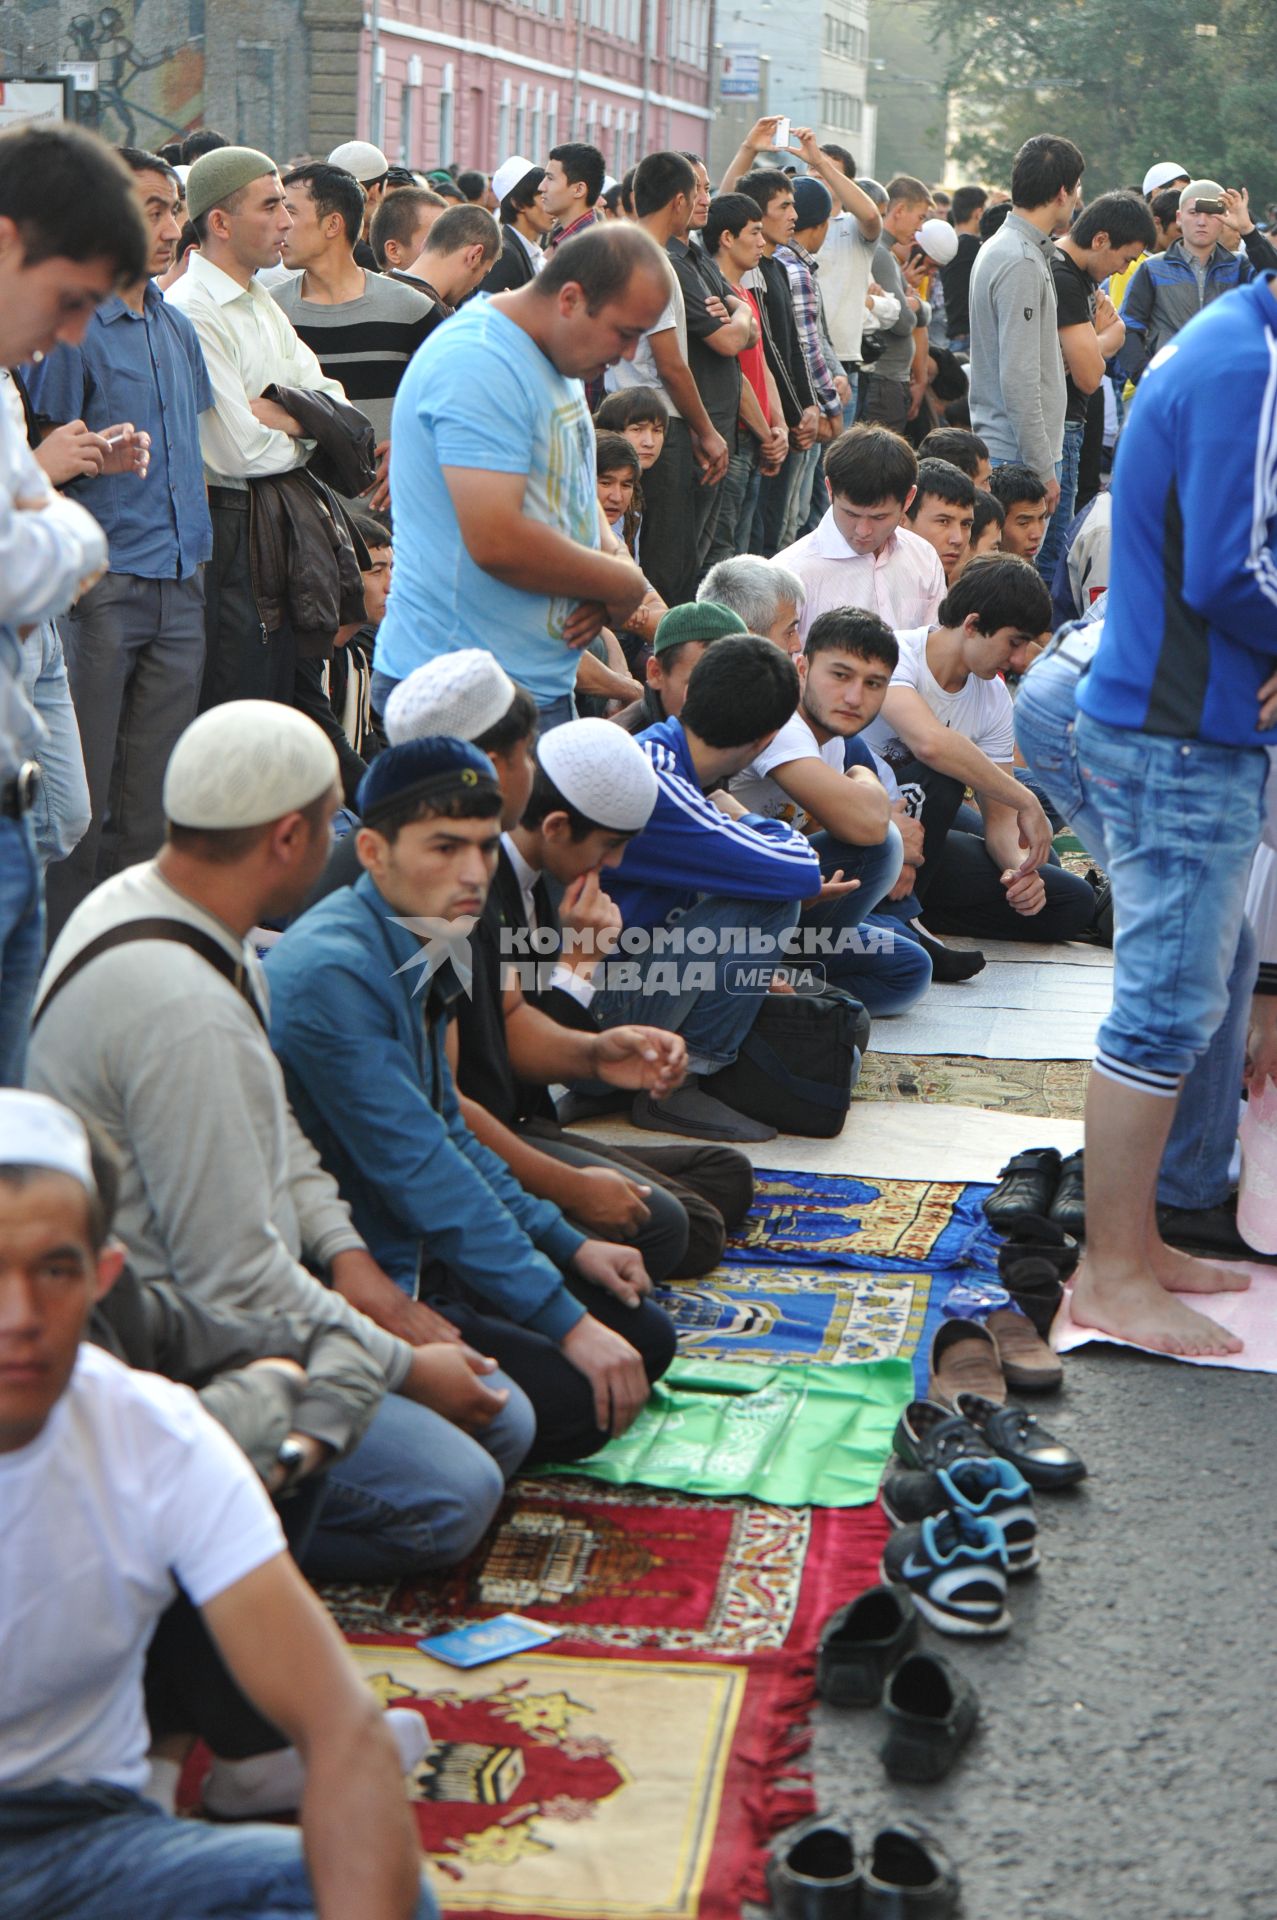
(481, 394)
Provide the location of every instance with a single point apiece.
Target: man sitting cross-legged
(681, 639)
(704, 878)
(116, 1489)
(946, 724)
(801, 776)
(942, 512)
(364, 1057)
(151, 1022)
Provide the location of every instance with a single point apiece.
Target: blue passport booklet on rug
(488, 1640)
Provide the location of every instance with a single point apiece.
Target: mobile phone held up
(782, 132)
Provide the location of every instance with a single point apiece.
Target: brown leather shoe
(1028, 1364)
(963, 1352)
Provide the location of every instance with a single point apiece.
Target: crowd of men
(443, 621)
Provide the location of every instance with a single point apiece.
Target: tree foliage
(1131, 81)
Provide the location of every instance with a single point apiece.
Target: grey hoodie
(1017, 369)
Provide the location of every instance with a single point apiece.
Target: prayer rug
(835, 1220)
(640, 1568)
(829, 1315)
(1251, 1315)
(796, 1435)
(1048, 1089)
(595, 1784)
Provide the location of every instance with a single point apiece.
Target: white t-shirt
(130, 1489)
(641, 370)
(756, 790)
(845, 260)
(981, 709)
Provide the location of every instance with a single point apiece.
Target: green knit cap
(217, 175)
(699, 620)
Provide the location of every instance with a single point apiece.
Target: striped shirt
(365, 343)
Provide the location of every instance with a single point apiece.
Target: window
(447, 114)
(840, 110)
(521, 118)
(551, 124)
(592, 124)
(503, 123)
(538, 110)
(379, 97)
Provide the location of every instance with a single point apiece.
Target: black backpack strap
(182, 934)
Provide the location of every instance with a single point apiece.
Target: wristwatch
(292, 1458)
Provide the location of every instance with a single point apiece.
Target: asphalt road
(1126, 1763)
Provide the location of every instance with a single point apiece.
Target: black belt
(18, 793)
(236, 498)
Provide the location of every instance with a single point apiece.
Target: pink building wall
(478, 80)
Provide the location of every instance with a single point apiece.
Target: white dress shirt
(248, 343)
(903, 582)
(579, 985)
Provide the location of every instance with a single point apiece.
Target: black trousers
(310, 698)
(959, 884)
(714, 1187)
(560, 1393)
(242, 661)
(669, 518)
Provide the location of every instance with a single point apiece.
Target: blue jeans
(21, 943)
(737, 502)
(885, 969)
(555, 713)
(61, 815)
(417, 1493)
(1061, 520)
(383, 685)
(1181, 820)
(99, 1852)
(715, 1014)
(1194, 1171)
(769, 515)
(802, 469)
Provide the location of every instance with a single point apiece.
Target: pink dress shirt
(903, 583)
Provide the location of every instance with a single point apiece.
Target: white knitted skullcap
(37, 1132)
(244, 763)
(460, 694)
(603, 771)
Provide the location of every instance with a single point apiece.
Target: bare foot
(1182, 1273)
(1136, 1307)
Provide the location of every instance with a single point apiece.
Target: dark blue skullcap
(435, 767)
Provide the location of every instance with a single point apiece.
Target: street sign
(25, 101)
(738, 75)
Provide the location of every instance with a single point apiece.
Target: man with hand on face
(497, 521)
(362, 992)
(135, 642)
(116, 1490)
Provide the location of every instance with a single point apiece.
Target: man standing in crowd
(968, 205)
(812, 208)
(362, 327)
(574, 177)
(733, 240)
(1017, 374)
(235, 199)
(135, 642)
(524, 226)
(369, 166)
(846, 258)
(71, 229)
(1174, 718)
(695, 452)
(459, 248)
(497, 524)
(1167, 289)
(400, 225)
(887, 387)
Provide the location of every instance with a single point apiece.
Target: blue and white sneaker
(988, 1489)
(955, 1566)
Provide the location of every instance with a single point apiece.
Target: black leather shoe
(931, 1712)
(1210, 1232)
(1035, 1286)
(1025, 1185)
(862, 1643)
(1068, 1209)
(931, 1436)
(909, 1877)
(813, 1873)
(1043, 1460)
(1035, 1234)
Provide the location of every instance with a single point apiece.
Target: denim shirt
(147, 368)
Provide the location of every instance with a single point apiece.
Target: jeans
(21, 943)
(712, 1016)
(1061, 520)
(383, 685)
(849, 412)
(885, 970)
(886, 402)
(1194, 1171)
(736, 504)
(1181, 821)
(417, 1493)
(60, 817)
(99, 1852)
(802, 472)
(556, 713)
(769, 515)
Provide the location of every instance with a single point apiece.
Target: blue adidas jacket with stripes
(1191, 630)
(688, 847)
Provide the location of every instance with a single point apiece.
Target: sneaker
(987, 1489)
(955, 1566)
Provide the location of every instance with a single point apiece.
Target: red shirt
(753, 364)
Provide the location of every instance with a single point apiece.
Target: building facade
(474, 81)
(812, 59)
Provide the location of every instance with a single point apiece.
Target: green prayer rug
(792, 1435)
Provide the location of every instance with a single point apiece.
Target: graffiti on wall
(150, 76)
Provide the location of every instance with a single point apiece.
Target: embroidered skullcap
(697, 620)
(244, 763)
(610, 780)
(215, 176)
(462, 694)
(38, 1132)
(432, 768)
(361, 158)
(938, 241)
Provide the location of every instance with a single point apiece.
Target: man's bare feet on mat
(1185, 1273)
(1136, 1307)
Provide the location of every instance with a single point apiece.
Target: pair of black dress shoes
(817, 1874)
(1040, 1182)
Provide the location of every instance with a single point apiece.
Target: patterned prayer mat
(638, 1567)
(835, 1220)
(588, 1783)
(1052, 1089)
